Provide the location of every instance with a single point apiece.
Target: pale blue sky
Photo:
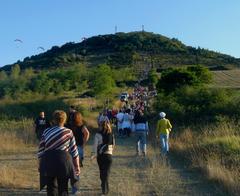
(212, 24)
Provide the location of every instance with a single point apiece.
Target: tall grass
(214, 149)
(16, 136)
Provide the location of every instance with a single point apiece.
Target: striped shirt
(58, 138)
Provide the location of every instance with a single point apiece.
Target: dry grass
(19, 174)
(214, 149)
(10, 143)
(16, 136)
(16, 150)
(217, 172)
(226, 79)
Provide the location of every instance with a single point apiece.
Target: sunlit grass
(216, 150)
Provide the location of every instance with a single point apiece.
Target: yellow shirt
(163, 126)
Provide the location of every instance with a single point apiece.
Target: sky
(210, 24)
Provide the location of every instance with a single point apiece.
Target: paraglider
(41, 48)
(18, 40)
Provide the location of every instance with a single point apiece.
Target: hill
(121, 49)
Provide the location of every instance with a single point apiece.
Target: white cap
(162, 114)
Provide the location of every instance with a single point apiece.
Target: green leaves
(173, 79)
(103, 82)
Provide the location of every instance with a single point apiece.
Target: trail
(130, 175)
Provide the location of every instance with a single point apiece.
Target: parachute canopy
(41, 48)
(18, 40)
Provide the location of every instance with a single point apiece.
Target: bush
(173, 79)
(191, 105)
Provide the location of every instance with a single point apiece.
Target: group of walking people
(61, 148)
(61, 151)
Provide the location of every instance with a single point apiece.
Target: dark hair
(77, 119)
(128, 111)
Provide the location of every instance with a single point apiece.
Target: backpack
(102, 148)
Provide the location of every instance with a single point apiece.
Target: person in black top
(70, 120)
(41, 123)
(81, 135)
(141, 132)
(104, 143)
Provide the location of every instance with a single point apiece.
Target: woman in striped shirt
(58, 156)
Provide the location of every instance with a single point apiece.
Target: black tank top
(78, 134)
(107, 138)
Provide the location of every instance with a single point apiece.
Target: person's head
(162, 114)
(106, 126)
(71, 108)
(128, 111)
(42, 114)
(59, 117)
(138, 113)
(105, 112)
(77, 119)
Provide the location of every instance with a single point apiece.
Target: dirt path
(130, 175)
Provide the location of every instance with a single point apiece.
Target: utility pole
(115, 29)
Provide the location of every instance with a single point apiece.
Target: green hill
(123, 49)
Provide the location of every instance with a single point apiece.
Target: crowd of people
(62, 142)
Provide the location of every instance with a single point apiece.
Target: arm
(158, 129)
(41, 148)
(147, 127)
(86, 135)
(40, 151)
(95, 145)
(169, 125)
(74, 153)
(114, 141)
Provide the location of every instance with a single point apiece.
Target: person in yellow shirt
(163, 129)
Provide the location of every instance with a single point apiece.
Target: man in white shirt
(119, 122)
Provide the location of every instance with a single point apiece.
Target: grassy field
(215, 150)
(226, 79)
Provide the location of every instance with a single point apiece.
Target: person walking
(141, 132)
(163, 129)
(104, 143)
(71, 112)
(127, 123)
(81, 134)
(41, 123)
(58, 156)
(120, 122)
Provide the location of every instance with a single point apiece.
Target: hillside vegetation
(123, 49)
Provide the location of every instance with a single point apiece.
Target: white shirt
(126, 121)
(120, 119)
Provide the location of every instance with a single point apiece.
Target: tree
(172, 79)
(15, 71)
(202, 73)
(3, 76)
(103, 82)
(153, 77)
